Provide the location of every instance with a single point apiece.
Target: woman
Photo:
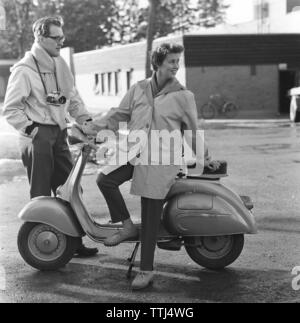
(159, 103)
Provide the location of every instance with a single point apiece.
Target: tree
(166, 16)
(211, 12)
(91, 24)
(18, 37)
(178, 15)
(125, 21)
(14, 38)
(87, 23)
(153, 4)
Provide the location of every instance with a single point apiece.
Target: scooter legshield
(54, 212)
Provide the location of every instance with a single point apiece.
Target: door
(2, 87)
(287, 80)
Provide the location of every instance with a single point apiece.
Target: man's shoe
(142, 280)
(121, 235)
(85, 252)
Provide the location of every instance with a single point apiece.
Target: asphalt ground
(263, 162)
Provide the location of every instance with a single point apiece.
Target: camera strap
(43, 82)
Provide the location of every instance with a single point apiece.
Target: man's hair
(160, 53)
(42, 26)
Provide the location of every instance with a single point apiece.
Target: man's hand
(89, 128)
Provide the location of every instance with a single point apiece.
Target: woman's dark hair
(160, 53)
(42, 26)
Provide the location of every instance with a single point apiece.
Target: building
(5, 66)
(253, 70)
(262, 16)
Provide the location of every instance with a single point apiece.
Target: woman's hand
(89, 128)
(213, 165)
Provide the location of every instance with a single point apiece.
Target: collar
(171, 86)
(45, 61)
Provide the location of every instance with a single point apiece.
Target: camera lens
(62, 100)
(49, 99)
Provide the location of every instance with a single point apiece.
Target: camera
(56, 98)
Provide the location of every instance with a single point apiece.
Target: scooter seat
(189, 184)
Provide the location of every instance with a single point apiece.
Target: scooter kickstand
(132, 260)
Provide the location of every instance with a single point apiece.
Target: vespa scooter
(200, 213)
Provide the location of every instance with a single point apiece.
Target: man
(39, 95)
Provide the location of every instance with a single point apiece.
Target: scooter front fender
(54, 212)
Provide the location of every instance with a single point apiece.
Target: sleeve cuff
(80, 120)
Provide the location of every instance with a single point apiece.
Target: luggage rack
(207, 173)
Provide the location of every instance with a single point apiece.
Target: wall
(256, 95)
(4, 75)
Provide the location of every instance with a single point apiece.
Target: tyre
(230, 110)
(44, 247)
(215, 252)
(208, 111)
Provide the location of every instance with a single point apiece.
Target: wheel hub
(47, 242)
(214, 244)
(215, 247)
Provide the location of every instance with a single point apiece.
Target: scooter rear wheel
(44, 247)
(214, 252)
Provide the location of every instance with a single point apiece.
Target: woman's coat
(173, 108)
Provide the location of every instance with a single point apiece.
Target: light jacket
(173, 108)
(25, 99)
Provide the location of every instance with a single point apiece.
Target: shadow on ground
(97, 283)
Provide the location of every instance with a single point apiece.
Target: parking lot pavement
(263, 162)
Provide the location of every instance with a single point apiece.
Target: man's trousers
(47, 159)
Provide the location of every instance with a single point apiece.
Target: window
(262, 10)
(102, 83)
(96, 88)
(292, 4)
(109, 83)
(129, 78)
(117, 89)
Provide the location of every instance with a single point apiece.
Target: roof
(245, 49)
(116, 57)
(7, 62)
(200, 50)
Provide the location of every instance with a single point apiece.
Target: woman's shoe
(120, 236)
(142, 280)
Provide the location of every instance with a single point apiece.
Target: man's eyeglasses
(58, 39)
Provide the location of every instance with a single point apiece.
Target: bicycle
(218, 104)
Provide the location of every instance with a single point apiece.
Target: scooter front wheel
(215, 252)
(44, 247)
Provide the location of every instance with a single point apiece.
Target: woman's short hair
(42, 26)
(160, 53)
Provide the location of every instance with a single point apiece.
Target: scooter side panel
(54, 212)
(207, 215)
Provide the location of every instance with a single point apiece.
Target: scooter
(200, 213)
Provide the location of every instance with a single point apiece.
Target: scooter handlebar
(77, 136)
